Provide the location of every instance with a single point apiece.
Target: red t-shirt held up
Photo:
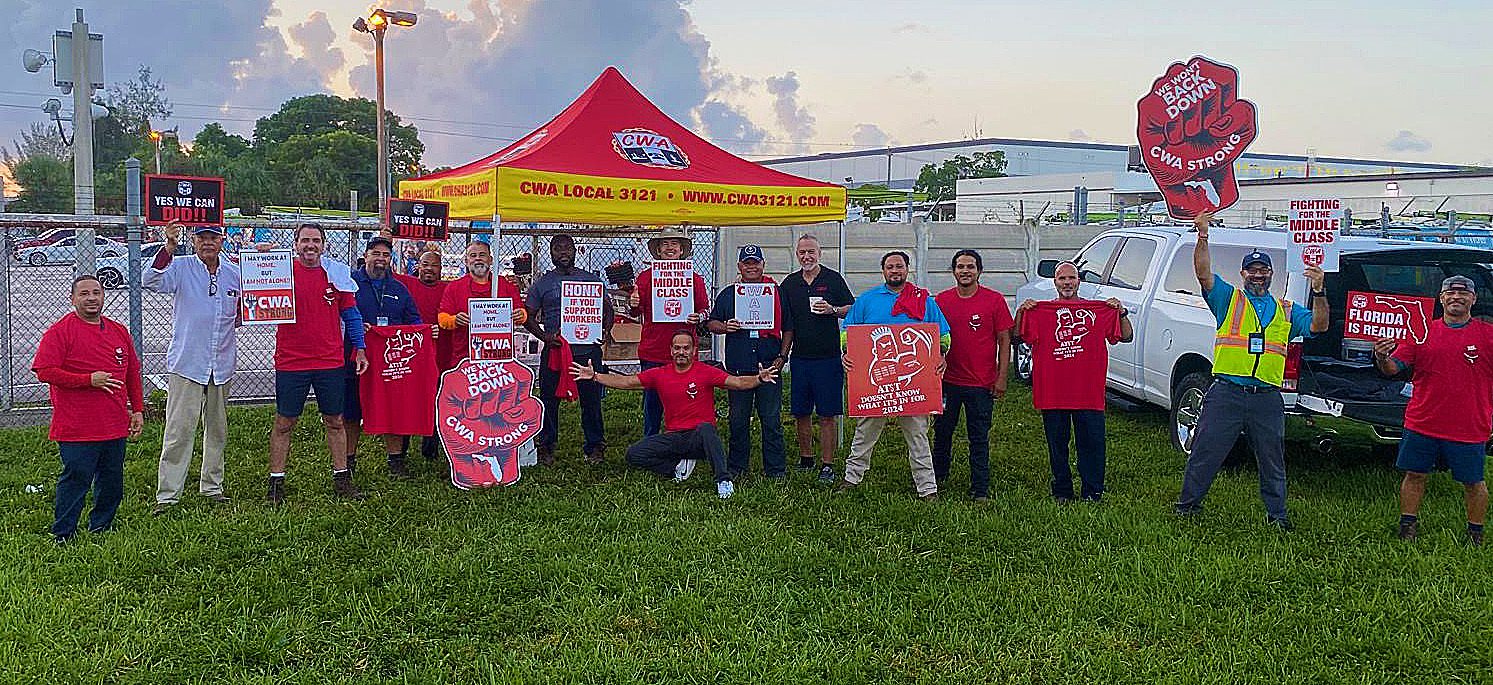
(1070, 353)
(1452, 382)
(428, 302)
(454, 301)
(974, 322)
(689, 397)
(653, 343)
(69, 352)
(314, 341)
(398, 389)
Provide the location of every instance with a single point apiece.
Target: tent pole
(497, 240)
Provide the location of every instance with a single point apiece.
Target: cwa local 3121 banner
(1192, 127)
(190, 200)
(892, 370)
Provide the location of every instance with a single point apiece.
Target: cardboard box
(621, 342)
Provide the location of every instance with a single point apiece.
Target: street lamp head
(402, 18)
(360, 25)
(33, 60)
(378, 20)
(52, 106)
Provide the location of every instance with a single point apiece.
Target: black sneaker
(546, 455)
(1186, 509)
(826, 475)
(1409, 530)
(1475, 538)
(597, 456)
(352, 464)
(429, 448)
(160, 509)
(806, 464)
(1281, 524)
(276, 494)
(397, 468)
(342, 486)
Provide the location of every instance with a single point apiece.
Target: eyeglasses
(1260, 271)
(212, 285)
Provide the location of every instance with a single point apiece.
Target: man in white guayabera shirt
(204, 291)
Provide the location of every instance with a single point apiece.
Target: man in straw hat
(672, 243)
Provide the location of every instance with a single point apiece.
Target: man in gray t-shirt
(543, 305)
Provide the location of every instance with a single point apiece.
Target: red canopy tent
(613, 158)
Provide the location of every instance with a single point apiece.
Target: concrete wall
(1010, 252)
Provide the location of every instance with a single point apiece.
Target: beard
(480, 269)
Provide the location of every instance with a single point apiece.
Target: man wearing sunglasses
(1249, 362)
(204, 291)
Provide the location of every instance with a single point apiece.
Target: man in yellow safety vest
(1249, 363)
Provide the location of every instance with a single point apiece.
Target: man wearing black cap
(1249, 361)
(204, 293)
(382, 301)
(753, 341)
(1450, 415)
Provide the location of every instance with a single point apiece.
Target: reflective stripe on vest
(1231, 355)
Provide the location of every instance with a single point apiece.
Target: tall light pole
(377, 22)
(156, 137)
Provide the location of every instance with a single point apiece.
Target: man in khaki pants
(204, 291)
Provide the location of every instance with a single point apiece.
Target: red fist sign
(484, 411)
(1192, 128)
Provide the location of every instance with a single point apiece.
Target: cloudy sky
(1388, 80)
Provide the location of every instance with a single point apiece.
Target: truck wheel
(37, 259)
(1021, 361)
(110, 279)
(1187, 405)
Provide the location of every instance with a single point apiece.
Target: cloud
(870, 135)
(1406, 141)
(729, 128)
(1079, 134)
(794, 119)
(503, 68)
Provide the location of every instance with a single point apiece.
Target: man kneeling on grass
(686, 391)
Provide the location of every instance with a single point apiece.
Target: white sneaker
(683, 470)
(725, 489)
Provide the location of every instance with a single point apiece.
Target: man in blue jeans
(753, 341)
(979, 355)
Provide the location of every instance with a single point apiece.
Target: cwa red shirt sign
(1192, 126)
(1372, 316)
(484, 411)
(893, 370)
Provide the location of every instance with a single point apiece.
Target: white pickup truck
(1332, 390)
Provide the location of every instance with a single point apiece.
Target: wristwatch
(1319, 293)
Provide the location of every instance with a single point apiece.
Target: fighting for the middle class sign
(268, 287)
(490, 328)
(673, 290)
(1314, 229)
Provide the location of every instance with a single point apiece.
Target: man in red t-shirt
(1068, 338)
(477, 284)
(90, 365)
(427, 288)
(1450, 415)
(308, 355)
(653, 345)
(979, 355)
(687, 390)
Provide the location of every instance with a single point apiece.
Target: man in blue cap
(1249, 362)
(382, 301)
(753, 341)
(204, 290)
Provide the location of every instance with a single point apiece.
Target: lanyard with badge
(1257, 338)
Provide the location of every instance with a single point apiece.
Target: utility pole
(83, 82)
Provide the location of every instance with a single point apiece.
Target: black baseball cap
(379, 240)
(1458, 283)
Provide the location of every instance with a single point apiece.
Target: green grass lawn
(606, 575)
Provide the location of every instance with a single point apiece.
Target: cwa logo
(649, 148)
(183, 187)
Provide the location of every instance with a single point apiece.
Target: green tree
(938, 181)
(213, 139)
(46, 185)
(312, 115)
(134, 104)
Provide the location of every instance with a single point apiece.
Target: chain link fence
(35, 282)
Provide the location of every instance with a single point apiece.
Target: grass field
(605, 575)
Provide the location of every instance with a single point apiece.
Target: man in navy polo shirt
(747, 350)
(383, 301)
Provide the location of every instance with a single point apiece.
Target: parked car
(1330, 393)
(46, 238)
(113, 272)
(65, 251)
